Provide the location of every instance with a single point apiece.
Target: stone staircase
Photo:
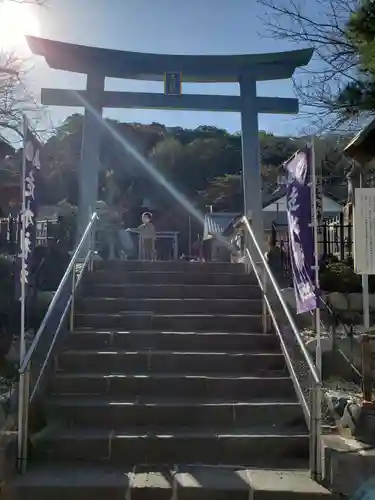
(168, 390)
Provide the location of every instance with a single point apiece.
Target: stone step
(77, 481)
(173, 341)
(172, 291)
(166, 278)
(165, 306)
(171, 266)
(171, 322)
(240, 385)
(130, 446)
(192, 413)
(82, 361)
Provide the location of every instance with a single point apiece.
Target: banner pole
(22, 388)
(23, 252)
(318, 351)
(317, 408)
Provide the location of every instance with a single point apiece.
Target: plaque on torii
(173, 83)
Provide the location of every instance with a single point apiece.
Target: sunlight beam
(18, 19)
(146, 164)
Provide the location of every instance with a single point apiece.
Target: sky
(162, 26)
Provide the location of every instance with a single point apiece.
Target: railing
(170, 253)
(45, 230)
(335, 238)
(333, 319)
(48, 335)
(305, 376)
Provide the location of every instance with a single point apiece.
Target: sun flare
(17, 20)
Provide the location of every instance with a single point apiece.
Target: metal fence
(335, 238)
(63, 230)
(10, 228)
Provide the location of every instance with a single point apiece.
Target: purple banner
(301, 234)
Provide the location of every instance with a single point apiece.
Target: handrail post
(264, 304)
(315, 435)
(72, 305)
(91, 250)
(312, 429)
(23, 420)
(175, 246)
(26, 419)
(21, 416)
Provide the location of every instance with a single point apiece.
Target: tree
(359, 96)
(189, 165)
(15, 98)
(224, 194)
(204, 162)
(322, 25)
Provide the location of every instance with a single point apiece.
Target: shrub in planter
(37, 308)
(52, 263)
(9, 306)
(340, 277)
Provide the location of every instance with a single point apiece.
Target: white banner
(364, 231)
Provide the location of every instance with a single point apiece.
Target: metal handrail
(24, 371)
(26, 361)
(306, 354)
(305, 406)
(312, 407)
(69, 306)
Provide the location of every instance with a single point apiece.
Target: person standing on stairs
(147, 235)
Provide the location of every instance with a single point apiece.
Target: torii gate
(98, 63)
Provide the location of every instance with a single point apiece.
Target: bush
(340, 277)
(9, 306)
(7, 272)
(53, 263)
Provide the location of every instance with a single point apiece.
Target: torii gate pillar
(88, 179)
(251, 168)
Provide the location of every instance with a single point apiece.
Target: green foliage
(205, 163)
(9, 307)
(340, 277)
(359, 94)
(224, 193)
(6, 282)
(361, 32)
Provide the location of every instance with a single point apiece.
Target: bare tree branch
(15, 98)
(321, 24)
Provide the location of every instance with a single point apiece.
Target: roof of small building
(362, 147)
(217, 222)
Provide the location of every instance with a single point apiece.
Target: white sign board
(364, 231)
